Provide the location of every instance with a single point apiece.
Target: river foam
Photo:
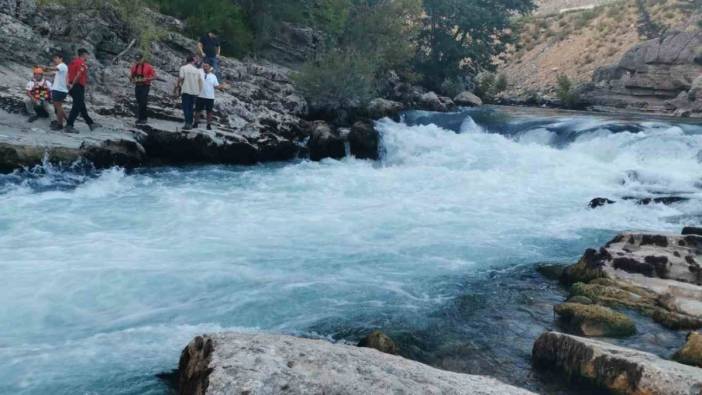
(107, 275)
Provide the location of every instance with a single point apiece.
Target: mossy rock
(595, 321)
(580, 299)
(676, 321)
(614, 297)
(691, 353)
(588, 268)
(380, 342)
(552, 271)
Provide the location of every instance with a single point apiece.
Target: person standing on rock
(38, 96)
(77, 82)
(209, 49)
(141, 75)
(190, 82)
(59, 89)
(205, 101)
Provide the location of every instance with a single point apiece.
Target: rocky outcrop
(237, 363)
(656, 274)
(616, 369)
(594, 321)
(364, 141)
(293, 45)
(381, 108)
(659, 75)
(325, 142)
(691, 352)
(379, 341)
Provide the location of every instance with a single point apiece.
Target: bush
(565, 92)
(451, 87)
(489, 85)
(340, 79)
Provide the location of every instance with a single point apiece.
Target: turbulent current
(107, 275)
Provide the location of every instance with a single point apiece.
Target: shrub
(452, 86)
(340, 79)
(565, 92)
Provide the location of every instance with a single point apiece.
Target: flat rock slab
(240, 363)
(617, 369)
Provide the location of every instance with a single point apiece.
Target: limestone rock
(380, 342)
(237, 363)
(594, 321)
(432, 102)
(364, 141)
(613, 368)
(656, 274)
(467, 99)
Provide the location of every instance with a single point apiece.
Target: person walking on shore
(59, 89)
(141, 75)
(190, 82)
(205, 101)
(209, 49)
(38, 96)
(77, 82)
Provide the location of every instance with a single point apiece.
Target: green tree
(463, 36)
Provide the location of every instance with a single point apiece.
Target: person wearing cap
(38, 96)
(77, 82)
(59, 89)
(209, 49)
(141, 75)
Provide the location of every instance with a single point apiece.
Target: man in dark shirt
(209, 49)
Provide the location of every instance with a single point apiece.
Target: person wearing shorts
(59, 90)
(205, 101)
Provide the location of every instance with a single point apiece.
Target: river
(108, 274)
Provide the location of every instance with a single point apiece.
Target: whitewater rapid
(107, 275)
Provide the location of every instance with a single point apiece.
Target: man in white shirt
(190, 81)
(38, 96)
(59, 89)
(205, 101)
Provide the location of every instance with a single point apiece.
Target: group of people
(197, 82)
(48, 97)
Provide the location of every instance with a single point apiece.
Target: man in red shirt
(77, 82)
(141, 75)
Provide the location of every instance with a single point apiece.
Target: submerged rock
(691, 230)
(616, 369)
(228, 363)
(599, 202)
(594, 321)
(691, 352)
(379, 341)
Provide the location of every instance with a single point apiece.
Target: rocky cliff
(663, 75)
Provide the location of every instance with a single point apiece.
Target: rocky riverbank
(654, 275)
(259, 115)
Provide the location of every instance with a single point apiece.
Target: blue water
(107, 275)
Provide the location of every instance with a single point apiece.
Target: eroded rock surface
(617, 369)
(237, 363)
(594, 321)
(656, 274)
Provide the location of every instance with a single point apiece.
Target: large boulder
(467, 99)
(616, 369)
(430, 101)
(364, 141)
(381, 108)
(237, 363)
(594, 321)
(325, 142)
(691, 352)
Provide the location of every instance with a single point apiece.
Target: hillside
(557, 40)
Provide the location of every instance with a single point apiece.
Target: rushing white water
(106, 278)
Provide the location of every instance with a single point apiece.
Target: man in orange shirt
(77, 82)
(141, 75)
